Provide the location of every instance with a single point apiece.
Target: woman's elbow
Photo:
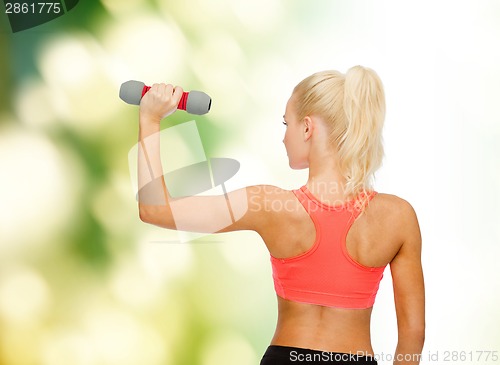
(414, 334)
(145, 214)
(419, 336)
(158, 216)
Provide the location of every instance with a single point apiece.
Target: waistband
(284, 355)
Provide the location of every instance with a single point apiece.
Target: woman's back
(373, 240)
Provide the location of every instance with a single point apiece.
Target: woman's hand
(159, 102)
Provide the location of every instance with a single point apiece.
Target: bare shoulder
(270, 202)
(394, 207)
(267, 190)
(400, 216)
(267, 197)
(394, 203)
(281, 220)
(264, 190)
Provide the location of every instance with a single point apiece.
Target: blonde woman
(329, 240)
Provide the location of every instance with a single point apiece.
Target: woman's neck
(325, 179)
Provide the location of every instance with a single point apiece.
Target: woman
(331, 239)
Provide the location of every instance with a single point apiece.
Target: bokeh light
(84, 94)
(36, 190)
(24, 295)
(227, 348)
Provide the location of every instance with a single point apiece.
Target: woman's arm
(237, 210)
(409, 296)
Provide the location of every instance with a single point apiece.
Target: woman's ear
(308, 128)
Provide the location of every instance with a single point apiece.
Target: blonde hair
(353, 105)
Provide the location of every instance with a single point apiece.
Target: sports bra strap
(303, 199)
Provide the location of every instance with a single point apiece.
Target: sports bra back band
(326, 274)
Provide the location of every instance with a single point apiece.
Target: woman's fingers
(178, 91)
(161, 100)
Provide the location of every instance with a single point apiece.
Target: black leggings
(285, 355)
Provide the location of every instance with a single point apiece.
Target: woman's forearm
(160, 101)
(153, 195)
(149, 160)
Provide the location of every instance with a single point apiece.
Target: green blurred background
(83, 281)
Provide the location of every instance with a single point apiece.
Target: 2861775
(33, 8)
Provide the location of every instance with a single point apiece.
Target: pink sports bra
(325, 274)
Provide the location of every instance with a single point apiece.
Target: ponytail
(353, 105)
(360, 146)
